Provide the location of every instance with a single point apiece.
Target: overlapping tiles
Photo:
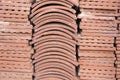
(15, 33)
(118, 47)
(54, 39)
(98, 28)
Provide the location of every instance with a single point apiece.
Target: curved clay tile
(64, 52)
(55, 11)
(73, 29)
(52, 7)
(54, 21)
(43, 3)
(54, 26)
(57, 69)
(74, 63)
(71, 11)
(58, 33)
(47, 17)
(70, 2)
(55, 61)
(61, 76)
(36, 41)
(50, 4)
(54, 33)
(57, 65)
(59, 42)
(71, 67)
(58, 39)
(56, 53)
(57, 29)
(61, 65)
(70, 48)
(53, 16)
(54, 43)
(53, 46)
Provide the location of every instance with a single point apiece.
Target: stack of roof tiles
(54, 39)
(96, 41)
(15, 33)
(118, 45)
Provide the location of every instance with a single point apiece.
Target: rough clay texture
(60, 40)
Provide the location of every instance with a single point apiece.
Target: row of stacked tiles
(99, 29)
(54, 39)
(118, 50)
(15, 33)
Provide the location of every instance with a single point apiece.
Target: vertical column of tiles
(15, 33)
(118, 45)
(54, 39)
(96, 40)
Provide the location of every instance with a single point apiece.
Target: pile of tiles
(54, 39)
(15, 33)
(96, 41)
